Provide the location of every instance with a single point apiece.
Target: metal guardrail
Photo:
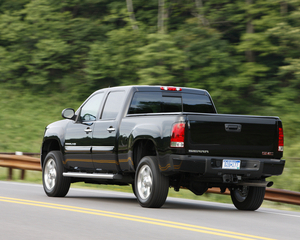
(20, 153)
(22, 162)
(27, 162)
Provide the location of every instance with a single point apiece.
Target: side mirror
(68, 113)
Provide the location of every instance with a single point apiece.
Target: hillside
(53, 54)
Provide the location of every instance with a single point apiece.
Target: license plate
(231, 164)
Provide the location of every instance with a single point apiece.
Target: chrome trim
(90, 175)
(102, 148)
(86, 149)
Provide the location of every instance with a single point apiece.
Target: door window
(90, 109)
(113, 105)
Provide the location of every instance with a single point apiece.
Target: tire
(54, 183)
(151, 187)
(133, 188)
(247, 198)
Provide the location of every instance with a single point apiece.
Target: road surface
(27, 213)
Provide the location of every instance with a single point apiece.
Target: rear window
(197, 103)
(156, 102)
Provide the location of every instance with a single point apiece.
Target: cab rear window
(156, 102)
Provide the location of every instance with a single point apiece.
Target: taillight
(177, 135)
(171, 88)
(280, 140)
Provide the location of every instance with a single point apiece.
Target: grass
(24, 117)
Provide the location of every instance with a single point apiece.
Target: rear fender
(145, 131)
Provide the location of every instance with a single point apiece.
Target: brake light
(280, 140)
(171, 88)
(177, 135)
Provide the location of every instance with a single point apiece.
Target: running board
(92, 175)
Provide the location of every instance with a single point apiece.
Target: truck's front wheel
(54, 183)
(247, 198)
(151, 186)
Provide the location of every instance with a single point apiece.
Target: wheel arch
(142, 148)
(51, 144)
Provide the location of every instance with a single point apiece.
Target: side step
(93, 175)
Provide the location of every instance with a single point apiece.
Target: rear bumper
(211, 167)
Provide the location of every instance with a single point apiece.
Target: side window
(113, 105)
(90, 109)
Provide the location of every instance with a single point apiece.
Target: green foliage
(12, 5)
(160, 61)
(76, 47)
(79, 46)
(113, 62)
(54, 53)
(209, 63)
(58, 52)
(44, 48)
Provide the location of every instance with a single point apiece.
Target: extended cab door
(78, 139)
(104, 152)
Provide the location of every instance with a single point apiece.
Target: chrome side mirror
(68, 113)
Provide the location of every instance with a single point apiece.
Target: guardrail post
(22, 176)
(10, 174)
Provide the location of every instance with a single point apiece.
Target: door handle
(111, 129)
(233, 127)
(88, 130)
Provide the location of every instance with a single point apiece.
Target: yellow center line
(129, 217)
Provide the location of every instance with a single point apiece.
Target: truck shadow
(201, 205)
(117, 199)
(169, 205)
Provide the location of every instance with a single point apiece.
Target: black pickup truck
(155, 137)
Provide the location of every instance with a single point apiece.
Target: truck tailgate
(232, 135)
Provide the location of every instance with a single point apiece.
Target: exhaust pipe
(234, 179)
(256, 184)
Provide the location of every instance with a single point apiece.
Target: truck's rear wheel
(247, 198)
(133, 188)
(151, 186)
(54, 183)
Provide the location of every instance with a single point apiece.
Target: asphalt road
(27, 213)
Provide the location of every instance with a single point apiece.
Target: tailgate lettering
(198, 151)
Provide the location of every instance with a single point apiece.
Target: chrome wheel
(50, 174)
(144, 182)
(54, 183)
(241, 194)
(151, 186)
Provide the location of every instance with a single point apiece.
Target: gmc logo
(267, 153)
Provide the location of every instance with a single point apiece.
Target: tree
(44, 47)
(160, 61)
(210, 64)
(131, 13)
(113, 61)
(241, 50)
